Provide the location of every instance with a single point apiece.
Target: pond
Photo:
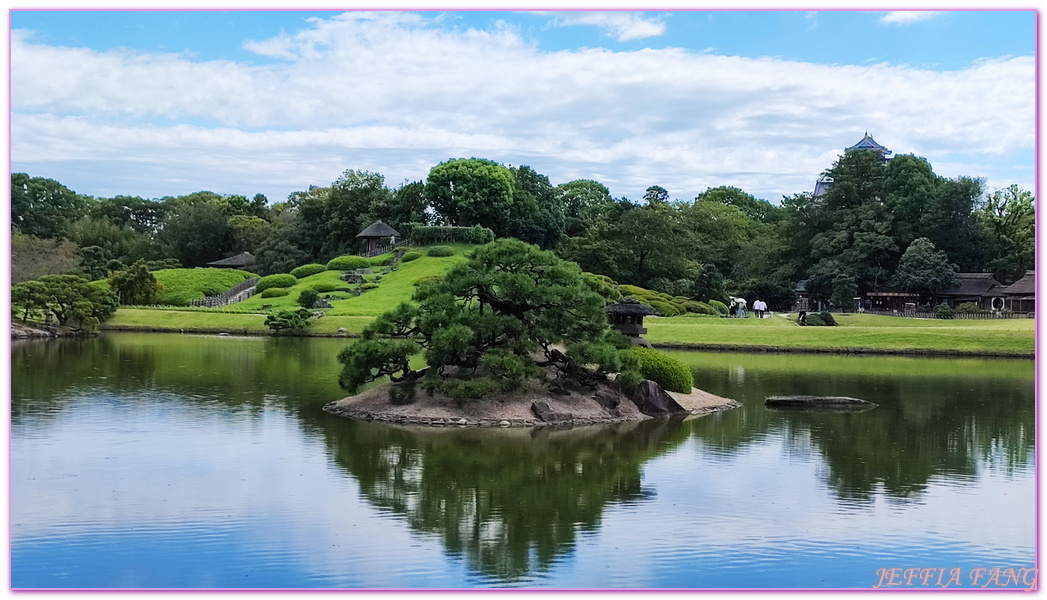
(171, 461)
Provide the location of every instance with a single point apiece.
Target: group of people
(737, 308)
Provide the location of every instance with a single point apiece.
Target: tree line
(881, 223)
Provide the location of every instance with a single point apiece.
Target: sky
(166, 103)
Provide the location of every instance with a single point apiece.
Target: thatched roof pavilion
(238, 261)
(375, 232)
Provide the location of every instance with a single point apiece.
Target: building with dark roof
(866, 143)
(374, 235)
(238, 261)
(1020, 296)
(979, 288)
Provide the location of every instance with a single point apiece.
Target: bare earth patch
(507, 410)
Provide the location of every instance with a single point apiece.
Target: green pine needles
(488, 326)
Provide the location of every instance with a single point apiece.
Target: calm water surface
(189, 461)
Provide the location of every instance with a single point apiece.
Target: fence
(956, 315)
(381, 250)
(237, 293)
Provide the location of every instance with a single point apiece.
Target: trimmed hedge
(275, 292)
(348, 263)
(663, 369)
(280, 280)
(719, 306)
(440, 251)
(325, 286)
(700, 308)
(828, 319)
(307, 270)
(411, 256)
(428, 279)
(368, 286)
(944, 311)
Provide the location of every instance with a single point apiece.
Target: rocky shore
(532, 406)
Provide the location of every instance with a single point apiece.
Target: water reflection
(511, 501)
(155, 431)
(935, 417)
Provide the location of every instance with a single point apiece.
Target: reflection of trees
(924, 426)
(510, 501)
(47, 374)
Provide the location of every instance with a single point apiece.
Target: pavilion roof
(378, 230)
(972, 284)
(1026, 286)
(239, 260)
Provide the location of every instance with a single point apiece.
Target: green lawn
(865, 332)
(1004, 336)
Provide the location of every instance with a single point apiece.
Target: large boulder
(610, 400)
(545, 413)
(654, 401)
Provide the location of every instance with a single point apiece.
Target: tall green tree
(135, 285)
(197, 233)
(1008, 222)
(472, 191)
(535, 216)
(43, 208)
(755, 209)
(923, 268)
(77, 303)
(583, 201)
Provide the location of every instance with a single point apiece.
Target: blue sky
(166, 103)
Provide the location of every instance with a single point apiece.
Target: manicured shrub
(368, 286)
(379, 261)
(638, 292)
(275, 292)
(944, 311)
(440, 251)
(427, 279)
(701, 308)
(667, 309)
(719, 306)
(288, 321)
(969, 307)
(663, 369)
(325, 286)
(348, 263)
(603, 285)
(280, 280)
(307, 297)
(827, 318)
(307, 270)
(814, 320)
(411, 256)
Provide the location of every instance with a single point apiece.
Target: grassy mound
(180, 286)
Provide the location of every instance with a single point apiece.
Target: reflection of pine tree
(511, 502)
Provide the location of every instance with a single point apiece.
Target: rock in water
(545, 413)
(834, 402)
(654, 401)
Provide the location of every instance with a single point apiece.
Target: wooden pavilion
(374, 235)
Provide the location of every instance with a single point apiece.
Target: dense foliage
(663, 369)
(480, 327)
(73, 301)
(306, 270)
(348, 263)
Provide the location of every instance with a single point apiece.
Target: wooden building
(238, 261)
(378, 236)
(1020, 296)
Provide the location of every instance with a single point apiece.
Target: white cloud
(905, 17)
(397, 93)
(622, 25)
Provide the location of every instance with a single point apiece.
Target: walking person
(741, 308)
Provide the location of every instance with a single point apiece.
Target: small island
(513, 337)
